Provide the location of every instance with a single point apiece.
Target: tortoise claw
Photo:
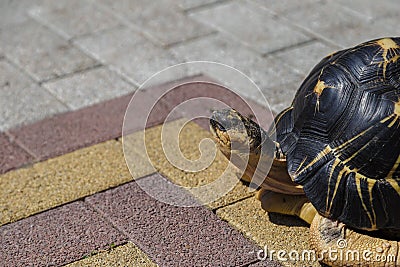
(349, 247)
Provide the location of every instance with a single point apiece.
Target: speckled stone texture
(276, 231)
(205, 96)
(51, 183)
(265, 263)
(303, 58)
(56, 237)
(160, 20)
(268, 33)
(11, 156)
(125, 255)
(170, 235)
(275, 43)
(72, 18)
(194, 162)
(188, 4)
(20, 96)
(67, 132)
(73, 130)
(128, 52)
(41, 52)
(267, 72)
(89, 87)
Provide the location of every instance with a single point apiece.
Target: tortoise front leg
(297, 205)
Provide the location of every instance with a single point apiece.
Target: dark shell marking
(341, 135)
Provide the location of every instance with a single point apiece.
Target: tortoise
(336, 157)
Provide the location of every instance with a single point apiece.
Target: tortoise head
(234, 132)
(243, 142)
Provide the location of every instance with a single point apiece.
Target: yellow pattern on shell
(395, 184)
(345, 170)
(395, 115)
(387, 43)
(370, 182)
(397, 108)
(319, 87)
(320, 155)
(389, 47)
(394, 168)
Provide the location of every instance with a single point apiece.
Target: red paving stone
(73, 130)
(142, 114)
(150, 106)
(265, 263)
(69, 131)
(56, 237)
(204, 96)
(171, 235)
(11, 155)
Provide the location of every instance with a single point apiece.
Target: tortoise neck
(278, 179)
(279, 155)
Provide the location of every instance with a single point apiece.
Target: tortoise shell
(341, 135)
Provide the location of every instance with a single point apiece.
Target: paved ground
(67, 73)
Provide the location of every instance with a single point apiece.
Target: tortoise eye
(220, 127)
(217, 125)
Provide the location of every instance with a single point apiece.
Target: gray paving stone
(128, 52)
(12, 156)
(259, 29)
(188, 4)
(73, 18)
(373, 9)
(70, 131)
(21, 100)
(327, 20)
(304, 57)
(89, 87)
(14, 12)
(266, 72)
(282, 6)
(42, 53)
(377, 28)
(281, 96)
(162, 20)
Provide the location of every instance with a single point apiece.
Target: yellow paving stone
(275, 231)
(48, 184)
(126, 255)
(197, 163)
(51, 183)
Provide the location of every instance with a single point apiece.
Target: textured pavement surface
(88, 199)
(58, 50)
(68, 70)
